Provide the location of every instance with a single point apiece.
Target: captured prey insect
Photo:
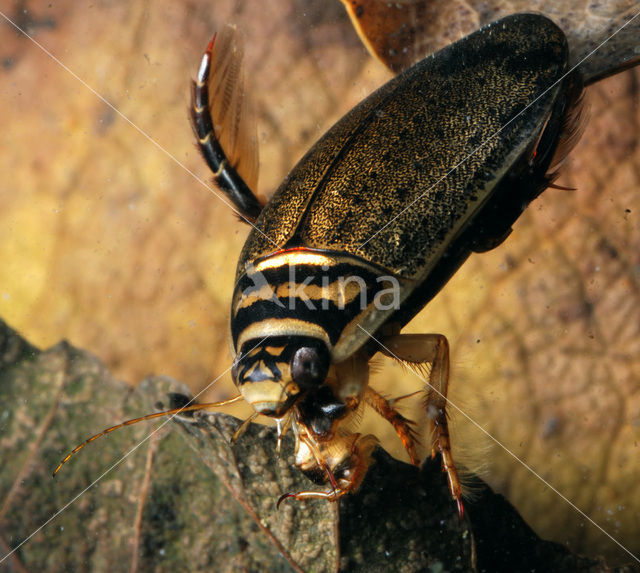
(371, 224)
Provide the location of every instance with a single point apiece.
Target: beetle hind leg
(417, 349)
(223, 123)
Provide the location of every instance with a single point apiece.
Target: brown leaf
(604, 35)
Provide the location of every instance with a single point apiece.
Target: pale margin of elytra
(505, 448)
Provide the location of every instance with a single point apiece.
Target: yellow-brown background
(108, 242)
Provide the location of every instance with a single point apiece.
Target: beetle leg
(221, 123)
(401, 425)
(417, 349)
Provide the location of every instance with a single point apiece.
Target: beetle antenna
(173, 412)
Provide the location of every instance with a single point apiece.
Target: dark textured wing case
(402, 174)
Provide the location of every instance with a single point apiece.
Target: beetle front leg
(432, 348)
(401, 425)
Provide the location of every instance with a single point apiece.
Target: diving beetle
(433, 166)
(372, 222)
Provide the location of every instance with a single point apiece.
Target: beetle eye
(309, 366)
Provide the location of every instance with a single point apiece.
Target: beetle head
(273, 374)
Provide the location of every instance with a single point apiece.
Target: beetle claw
(283, 497)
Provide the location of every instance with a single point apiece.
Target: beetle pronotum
(371, 224)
